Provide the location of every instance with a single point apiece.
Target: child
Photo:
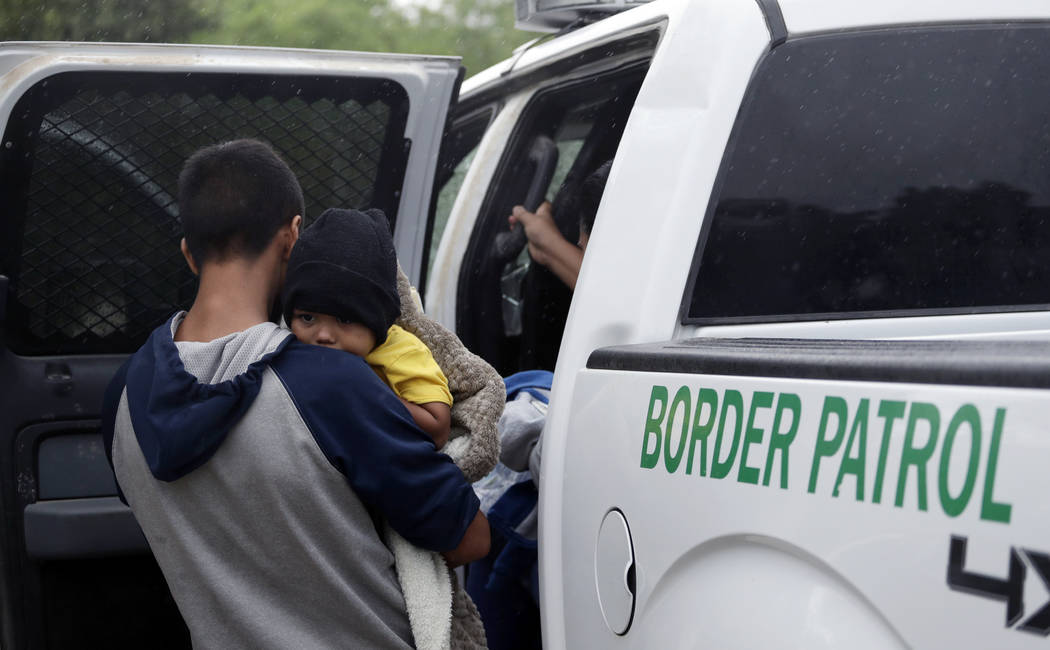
(343, 291)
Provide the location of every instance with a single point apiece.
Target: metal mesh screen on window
(99, 264)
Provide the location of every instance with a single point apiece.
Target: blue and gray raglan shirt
(255, 466)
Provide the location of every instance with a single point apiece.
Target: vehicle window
(568, 152)
(510, 311)
(445, 199)
(456, 155)
(89, 178)
(885, 172)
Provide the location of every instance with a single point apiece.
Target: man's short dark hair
(591, 191)
(233, 198)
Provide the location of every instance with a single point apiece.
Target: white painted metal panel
(802, 558)
(641, 248)
(443, 280)
(538, 54)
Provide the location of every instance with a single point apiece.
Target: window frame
(488, 223)
(52, 92)
(724, 167)
(459, 123)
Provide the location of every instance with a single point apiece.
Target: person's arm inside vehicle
(547, 246)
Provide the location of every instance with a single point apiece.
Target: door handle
(59, 377)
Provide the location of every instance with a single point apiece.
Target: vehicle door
(94, 137)
(563, 105)
(874, 182)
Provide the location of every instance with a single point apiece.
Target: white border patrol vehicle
(796, 402)
(799, 386)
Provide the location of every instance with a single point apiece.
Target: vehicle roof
(552, 15)
(541, 51)
(800, 16)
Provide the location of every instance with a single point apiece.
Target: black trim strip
(1020, 364)
(856, 315)
(778, 32)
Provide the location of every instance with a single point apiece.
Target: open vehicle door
(94, 138)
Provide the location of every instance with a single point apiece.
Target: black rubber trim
(1020, 364)
(850, 315)
(778, 32)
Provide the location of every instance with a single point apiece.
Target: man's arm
(369, 437)
(475, 543)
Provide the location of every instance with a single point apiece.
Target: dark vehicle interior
(510, 311)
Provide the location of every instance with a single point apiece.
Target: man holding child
(256, 464)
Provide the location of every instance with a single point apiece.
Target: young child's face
(332, 332)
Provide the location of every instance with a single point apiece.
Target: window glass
(457, 152)
(445, 199)
(568, 151)
(574, 130)
(885, 171)
(89, 181)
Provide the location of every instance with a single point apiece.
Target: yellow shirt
(407, 366)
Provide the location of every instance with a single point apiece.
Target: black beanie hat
(344, 265)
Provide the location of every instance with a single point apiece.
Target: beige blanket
(440, 612)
